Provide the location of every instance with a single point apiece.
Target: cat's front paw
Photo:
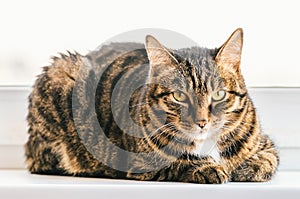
(209, 174)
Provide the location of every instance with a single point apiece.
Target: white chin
(206, 145)
(200, 136)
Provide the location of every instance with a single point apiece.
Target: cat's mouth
(196, 134)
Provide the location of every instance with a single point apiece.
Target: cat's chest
(207, 147)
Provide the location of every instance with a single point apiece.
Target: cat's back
(49, 114)
(50, 120)
(65, 68)
(51, 88)
(50, 100)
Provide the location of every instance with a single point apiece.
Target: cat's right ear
(158, 55)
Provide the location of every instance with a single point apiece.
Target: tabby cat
(130, 111)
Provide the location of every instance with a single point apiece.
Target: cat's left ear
(158, 55)
(229, 55)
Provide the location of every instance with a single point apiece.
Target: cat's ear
(158, 55)
(229, 55)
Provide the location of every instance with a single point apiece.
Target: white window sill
(21, 184)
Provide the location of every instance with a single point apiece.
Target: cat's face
(200, 90)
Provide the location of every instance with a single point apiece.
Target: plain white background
(32, 31)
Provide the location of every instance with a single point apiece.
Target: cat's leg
(202, 171)
(206, 172)
(261, 166)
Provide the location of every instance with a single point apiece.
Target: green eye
(179, 96)
(219, 95)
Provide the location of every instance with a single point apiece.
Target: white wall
(32, 31)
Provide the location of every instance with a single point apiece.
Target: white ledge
(21, 184)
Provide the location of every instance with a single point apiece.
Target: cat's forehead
(202, 67)
(198, 56)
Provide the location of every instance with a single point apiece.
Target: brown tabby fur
(64, 138)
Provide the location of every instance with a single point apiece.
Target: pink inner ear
(230, 53)
(157, 53)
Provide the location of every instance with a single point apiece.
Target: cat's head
(199, 90)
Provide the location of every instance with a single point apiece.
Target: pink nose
(202, 123)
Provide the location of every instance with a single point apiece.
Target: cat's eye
(219, 95)
(179, 96)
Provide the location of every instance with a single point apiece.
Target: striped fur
(114, 113)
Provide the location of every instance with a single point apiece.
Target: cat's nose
(202, 123)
